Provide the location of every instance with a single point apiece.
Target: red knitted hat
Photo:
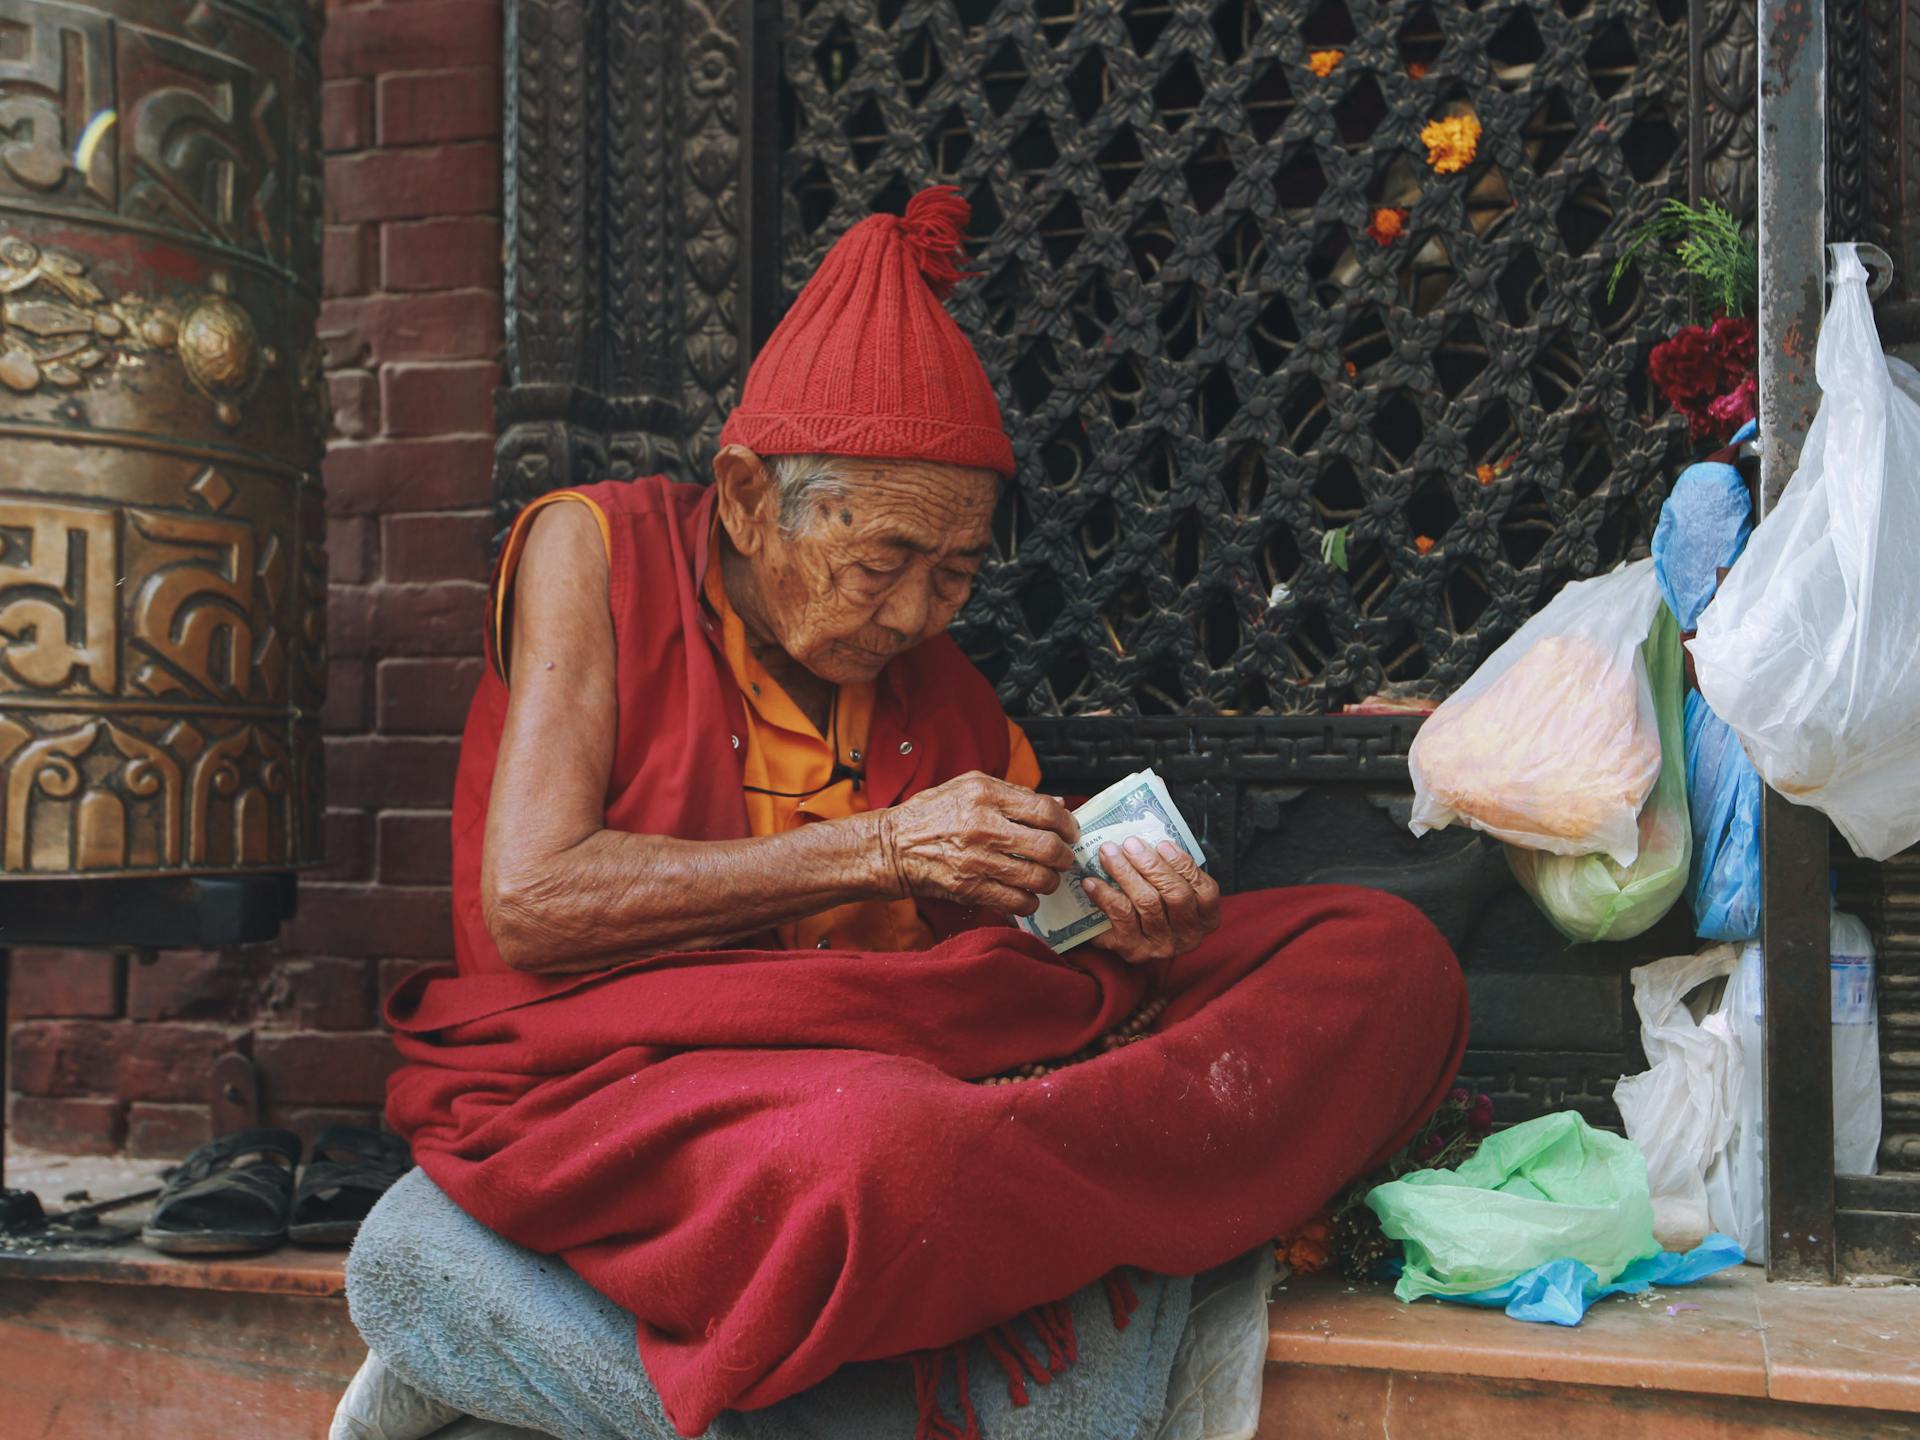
(868, 362)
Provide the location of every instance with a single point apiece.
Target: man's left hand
(1160, 903)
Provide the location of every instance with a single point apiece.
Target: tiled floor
(1843, 1346)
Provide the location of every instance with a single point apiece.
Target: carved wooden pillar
(162, 561)
(622, 162)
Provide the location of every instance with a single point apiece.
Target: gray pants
(464, 1323)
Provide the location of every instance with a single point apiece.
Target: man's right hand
(979, 841)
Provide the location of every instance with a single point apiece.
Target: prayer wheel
(162, 414)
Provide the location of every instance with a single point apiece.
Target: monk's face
(862, 576)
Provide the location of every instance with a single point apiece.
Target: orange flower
(1417, 70)
(1451, 143)
(1484, 473)
(1352, 369)
(1308, 1257)
(1423, 543)
(1310, 1247)
(1387, 225)
(1324, 62)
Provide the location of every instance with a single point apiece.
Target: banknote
(1137, 806)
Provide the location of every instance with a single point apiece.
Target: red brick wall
(111, 1054)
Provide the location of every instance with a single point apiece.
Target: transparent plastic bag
(1551, 1188)
(1808, 650)
(1590, 897)
(1553, 744)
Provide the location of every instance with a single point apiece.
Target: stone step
(1753, 1360)
(122, 1344)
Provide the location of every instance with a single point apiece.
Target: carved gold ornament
(57, 327)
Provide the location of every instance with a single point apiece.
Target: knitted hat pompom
(935, 229)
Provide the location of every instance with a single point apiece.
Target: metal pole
(1793, 838)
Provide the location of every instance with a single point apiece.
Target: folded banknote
(1136, 806)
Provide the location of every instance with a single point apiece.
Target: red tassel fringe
(935, 229)
(1052, 1324)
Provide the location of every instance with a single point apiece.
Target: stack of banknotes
(1136, 806)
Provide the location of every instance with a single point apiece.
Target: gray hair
(799, 481)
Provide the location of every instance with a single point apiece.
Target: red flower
(1685, 367)
(1706, 373)
(1733, 341)
(1459, 1095)
(1480, 1118)
(1738, 405)
(1430, 1147)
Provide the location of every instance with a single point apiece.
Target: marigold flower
(1388, 224)
(1324, 62)
(1451, 143)
(1310, 1247)
(1484, 473)
(1417, 70)
(1352, 370)
(1423, 543)
(1308, 1257)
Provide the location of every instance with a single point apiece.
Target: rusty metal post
(1793, 838)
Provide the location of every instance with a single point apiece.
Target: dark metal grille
(1207, 363)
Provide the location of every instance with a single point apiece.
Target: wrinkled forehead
(936, 509)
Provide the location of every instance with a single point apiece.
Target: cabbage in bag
(1591, 897)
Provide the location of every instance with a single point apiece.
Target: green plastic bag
(1547, 1189)
(1589, 897)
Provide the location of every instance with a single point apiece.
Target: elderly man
(737, 832)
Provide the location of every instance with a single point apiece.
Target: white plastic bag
(1856, 1048)
(1553, 744)
(1737, 1178)
(1808, 649)
(1213, 1391)
(1679, 1111)
(1699, 1112)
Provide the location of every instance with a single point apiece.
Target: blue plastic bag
(1560, 1291)
(1703, 526)
(1723, 797)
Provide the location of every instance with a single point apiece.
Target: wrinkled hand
(1161, 904)
(979, 841)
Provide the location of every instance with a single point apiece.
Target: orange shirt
(785, 753)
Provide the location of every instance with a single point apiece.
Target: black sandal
(229, 1197)
(351, 1168)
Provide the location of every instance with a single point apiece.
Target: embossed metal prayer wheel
(162, 414)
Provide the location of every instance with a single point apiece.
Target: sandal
(352, 1167)
(229, 1197)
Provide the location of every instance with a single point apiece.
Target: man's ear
(745, 496)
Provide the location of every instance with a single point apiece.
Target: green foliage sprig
(1712, 250)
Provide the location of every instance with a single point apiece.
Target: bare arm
(561, 892)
